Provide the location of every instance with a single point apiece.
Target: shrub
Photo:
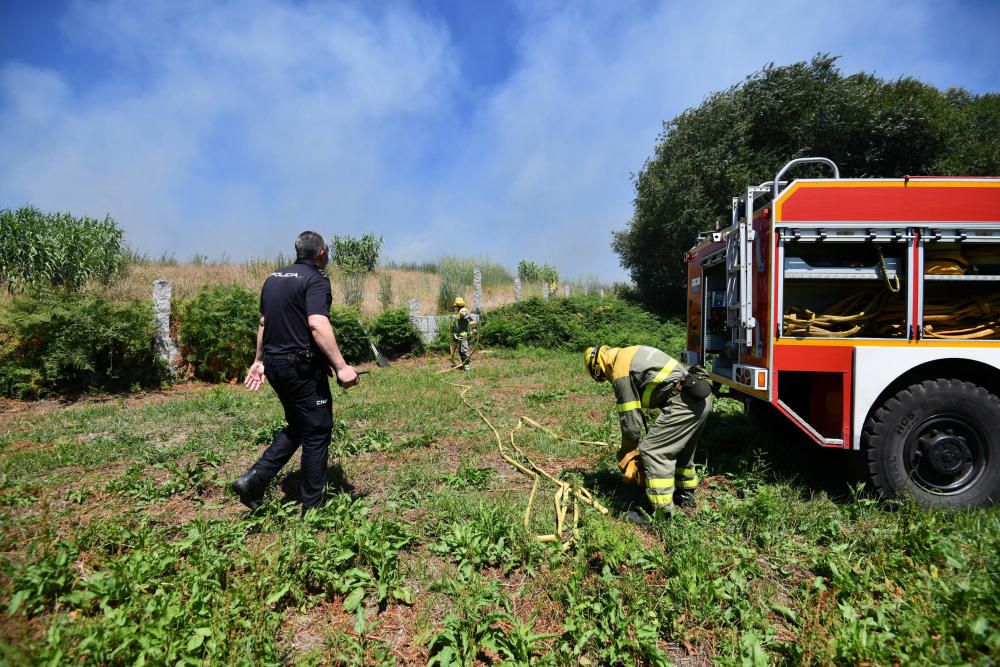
(54, 341)
(58, 249)
(217, 331)
(396, 334)
(577, 322)
(443, 342)
(350, 334)
(359, 254)
(531, 272)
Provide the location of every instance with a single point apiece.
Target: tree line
(869, 126)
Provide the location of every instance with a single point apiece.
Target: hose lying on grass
(566, 497)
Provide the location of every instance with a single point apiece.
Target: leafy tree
(870, 127)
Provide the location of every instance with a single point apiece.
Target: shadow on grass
(733, 445)
(781, 453)
(336, 482)
(614, 493)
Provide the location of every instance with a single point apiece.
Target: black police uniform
(297, 369)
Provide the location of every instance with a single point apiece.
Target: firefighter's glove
(631, 468)
(694, 388)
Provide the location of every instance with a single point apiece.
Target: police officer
(298, 349)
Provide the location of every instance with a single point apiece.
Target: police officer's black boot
(685, 499)
(250, 488)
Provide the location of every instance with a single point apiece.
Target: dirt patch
(686, 655)
(12, 410)
(397, 627)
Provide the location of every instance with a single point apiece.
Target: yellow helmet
(593, 367)
(459, 302)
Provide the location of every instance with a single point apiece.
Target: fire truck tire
(939, 442)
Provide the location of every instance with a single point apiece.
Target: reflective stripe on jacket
(643, 377)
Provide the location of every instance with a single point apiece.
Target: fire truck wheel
(939, 442)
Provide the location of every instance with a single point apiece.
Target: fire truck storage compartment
(843, 289)
(961, 291)
(817, 398)
(714, 305)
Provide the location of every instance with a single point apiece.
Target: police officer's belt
(291, 356)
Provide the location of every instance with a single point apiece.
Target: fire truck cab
(866, 312)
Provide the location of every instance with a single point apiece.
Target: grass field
(122, 545)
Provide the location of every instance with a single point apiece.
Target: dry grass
(189, 278)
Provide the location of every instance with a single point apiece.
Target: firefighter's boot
(685, 498)
(250, 488)
(638, 518)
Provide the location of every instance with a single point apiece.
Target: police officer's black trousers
(305, 395)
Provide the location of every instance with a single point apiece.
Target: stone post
(477, 290)
(517, 290)
(166, 347)
(566, 290)
(586, 290)
(545, 291)
(602, 292)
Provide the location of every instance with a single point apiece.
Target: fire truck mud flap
(937, 441)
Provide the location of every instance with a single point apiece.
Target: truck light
(761, 381)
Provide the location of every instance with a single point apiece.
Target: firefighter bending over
(663, 460)
(462, 326)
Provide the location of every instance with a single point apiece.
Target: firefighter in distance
(462, 327)
(662, 460)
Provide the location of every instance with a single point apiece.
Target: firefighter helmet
(459, 302)
(593, 367)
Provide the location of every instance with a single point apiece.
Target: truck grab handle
(802, 160)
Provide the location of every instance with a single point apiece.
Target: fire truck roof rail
(802, 160)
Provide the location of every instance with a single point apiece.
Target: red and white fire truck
(867, 312)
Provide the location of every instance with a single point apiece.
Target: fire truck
(867, 313)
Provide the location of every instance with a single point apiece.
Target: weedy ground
(121, 544)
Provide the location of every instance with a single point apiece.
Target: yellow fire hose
(969, 317)
(566, 497)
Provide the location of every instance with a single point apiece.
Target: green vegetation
(346, 322)
(68, 342)
(576, 323)
(395, 333)
(385, 290)
(58, 249)
(531, 272)
(356, 258)
(217, 331)
(356, 254)
(742, 136)
(120, 542)
(456, 277)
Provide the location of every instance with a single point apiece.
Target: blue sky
(507, 130)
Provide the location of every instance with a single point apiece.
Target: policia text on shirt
(296, 351)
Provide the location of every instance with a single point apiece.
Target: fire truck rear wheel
(939, 442)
